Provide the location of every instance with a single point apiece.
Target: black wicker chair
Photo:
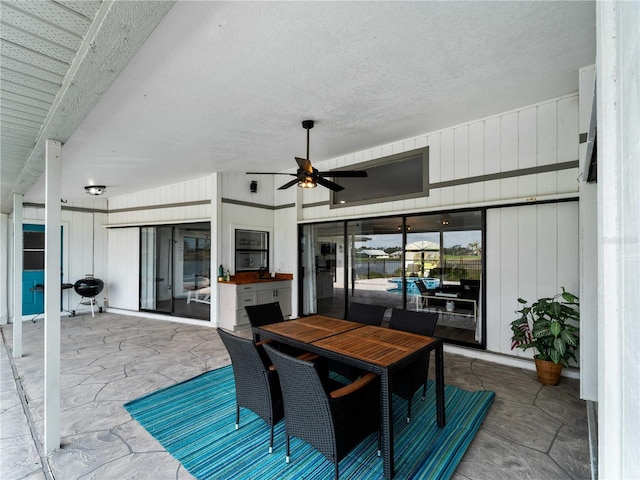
(366, 313)
(407, 381)
(257, 386)
(264, 314)
(332, 422)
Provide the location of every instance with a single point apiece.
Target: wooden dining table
(375, 349)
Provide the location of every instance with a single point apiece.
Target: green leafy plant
(549, 325)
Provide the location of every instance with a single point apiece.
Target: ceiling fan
(309, 177)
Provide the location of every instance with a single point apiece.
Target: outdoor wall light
(95, 189)
(253, 186)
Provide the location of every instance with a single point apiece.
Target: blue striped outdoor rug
(195, 421)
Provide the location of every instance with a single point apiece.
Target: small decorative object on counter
(227, 276)
(220, 273)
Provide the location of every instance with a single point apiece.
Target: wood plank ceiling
(39, 42)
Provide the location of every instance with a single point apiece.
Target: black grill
(88, 288)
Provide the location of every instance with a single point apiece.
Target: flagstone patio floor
(532, 431)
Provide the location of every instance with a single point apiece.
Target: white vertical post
(216, 246)
(17, 275)
(53, 153)
(618, 84)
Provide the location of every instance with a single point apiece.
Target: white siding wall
(532, 251)
(534, 136)
(181, 202)
(124, 272)
(589, 250)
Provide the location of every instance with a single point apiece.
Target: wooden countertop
(254, 277)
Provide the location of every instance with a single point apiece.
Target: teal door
(33, 269)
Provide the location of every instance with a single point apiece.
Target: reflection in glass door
(375, 261)
(156, 269)
(322, 259)
(444, 255)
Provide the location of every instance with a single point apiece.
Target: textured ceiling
(223, 86)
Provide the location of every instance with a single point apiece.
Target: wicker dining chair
(332, 422)
(366, 313)
(257, 386)
(407, 381)
(264, 314)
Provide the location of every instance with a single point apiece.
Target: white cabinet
(234, 297)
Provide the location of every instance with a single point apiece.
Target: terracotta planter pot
(548, 372)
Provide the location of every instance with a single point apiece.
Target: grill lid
(88, 286)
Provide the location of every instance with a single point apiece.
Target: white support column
(53, 153)
(17, 275)
(5, 280)
(618, 84)
(216, 246)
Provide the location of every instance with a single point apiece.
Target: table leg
(386, 408)
(440, 386)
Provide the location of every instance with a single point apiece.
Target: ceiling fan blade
(304, 164)
(288, 184)
(271, 173)
(326, 183)
(345, 174)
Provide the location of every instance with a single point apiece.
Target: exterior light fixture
(95, 189)
(253, 186)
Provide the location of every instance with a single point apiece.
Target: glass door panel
(375, 261)
(444, 252)
(156, 269)
(322, 259)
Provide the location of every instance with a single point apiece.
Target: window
(390, 178)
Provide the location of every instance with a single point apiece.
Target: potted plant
(549, 326)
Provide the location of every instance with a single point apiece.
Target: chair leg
(287, 457)
(336, 467)
(237, 418)
(271, 440)
(409, 408)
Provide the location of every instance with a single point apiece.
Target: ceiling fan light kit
(309, 177)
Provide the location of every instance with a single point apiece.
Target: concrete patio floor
(531, 431)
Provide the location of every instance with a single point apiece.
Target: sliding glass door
(431, 262)
(175, 266)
